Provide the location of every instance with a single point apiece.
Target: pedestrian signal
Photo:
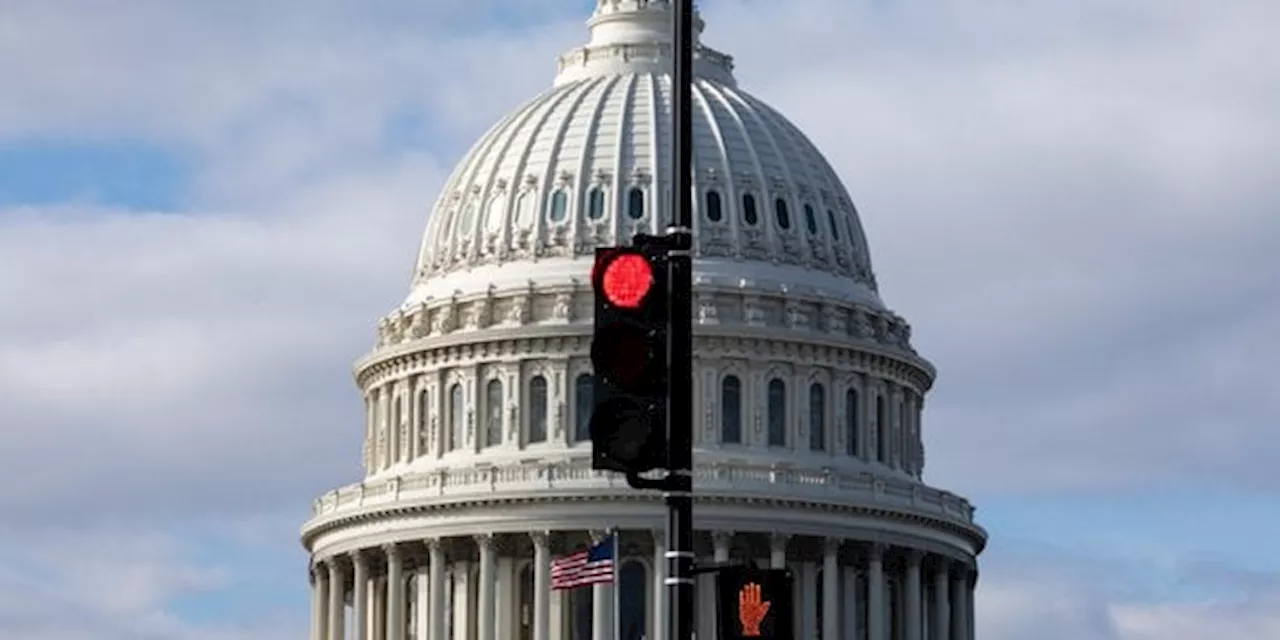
(754, 604)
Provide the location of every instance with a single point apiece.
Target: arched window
(595, 204)
(851, 422)
(396, 416)
(810, 220)
(777, 413)
(781, 214)
(468, 218)
(559, 206)
(900, 426)
(424, 410)
(579, 610)
(882, 431)
(635, 203)
(538, 409)
(457, 421)
(817, 417)
(525, 210)
(494, 213)
(835, 228)
(634, 600)
(524, 614)
(749, 214)
(714, 213)
(731, 410)
(493, 413)
(582, 392)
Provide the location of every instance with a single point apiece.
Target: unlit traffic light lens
(627, 280)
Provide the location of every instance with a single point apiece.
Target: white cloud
(1053, 594)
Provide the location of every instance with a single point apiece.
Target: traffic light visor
(626, 280)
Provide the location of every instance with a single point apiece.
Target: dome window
(810, 220)
(467, 219)
(635, 203)
(714, 213)
(526, 210)
(781, 214)
(817, 417)
(457, 424)
(494, 213)
(851, 422)
(749, 214)
(559, 206)
(538, 409)
(493, 413)
(583, 389)
(731, 410)
(595, 204)
(882, 431)
(835, 228)
(777, 409)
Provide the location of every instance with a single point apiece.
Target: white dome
(588, 162)
(808, 396)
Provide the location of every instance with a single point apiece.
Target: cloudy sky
(204, 206)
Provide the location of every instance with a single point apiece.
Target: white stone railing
(576, 477)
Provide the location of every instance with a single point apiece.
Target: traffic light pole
(679, 493)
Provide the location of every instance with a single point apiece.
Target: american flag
(580, 569)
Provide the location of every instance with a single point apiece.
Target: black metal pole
(679, 497)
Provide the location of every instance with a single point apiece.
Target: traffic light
(629, 356)
(754, 604)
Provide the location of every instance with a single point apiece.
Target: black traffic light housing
(629, 357)
(754, 604)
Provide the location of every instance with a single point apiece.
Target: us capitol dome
(808, 392)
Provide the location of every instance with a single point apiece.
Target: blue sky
(205, 207)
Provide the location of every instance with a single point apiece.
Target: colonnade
(498, 587)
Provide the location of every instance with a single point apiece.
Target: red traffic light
(626, 280)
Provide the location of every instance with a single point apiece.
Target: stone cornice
(573, 339)
(574, 480)
(456, 513)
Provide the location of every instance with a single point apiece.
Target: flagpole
(617, 588)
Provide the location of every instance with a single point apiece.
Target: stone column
(941, 601)
(831, 589)
(508, 595)
(422, 602)
(541, 585)
(601, 600)
(337, 600)
(658, 624)
(850, 600)
(778, 551)
(876, 609)
(806, 600)
(378, 612)
(360, 596)
(487, 609)
(721, 542)
(959, 606)
(319, 602)
(395, 593)
(912, 587)
(971, 584)
(463, 602)
(436, 592)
